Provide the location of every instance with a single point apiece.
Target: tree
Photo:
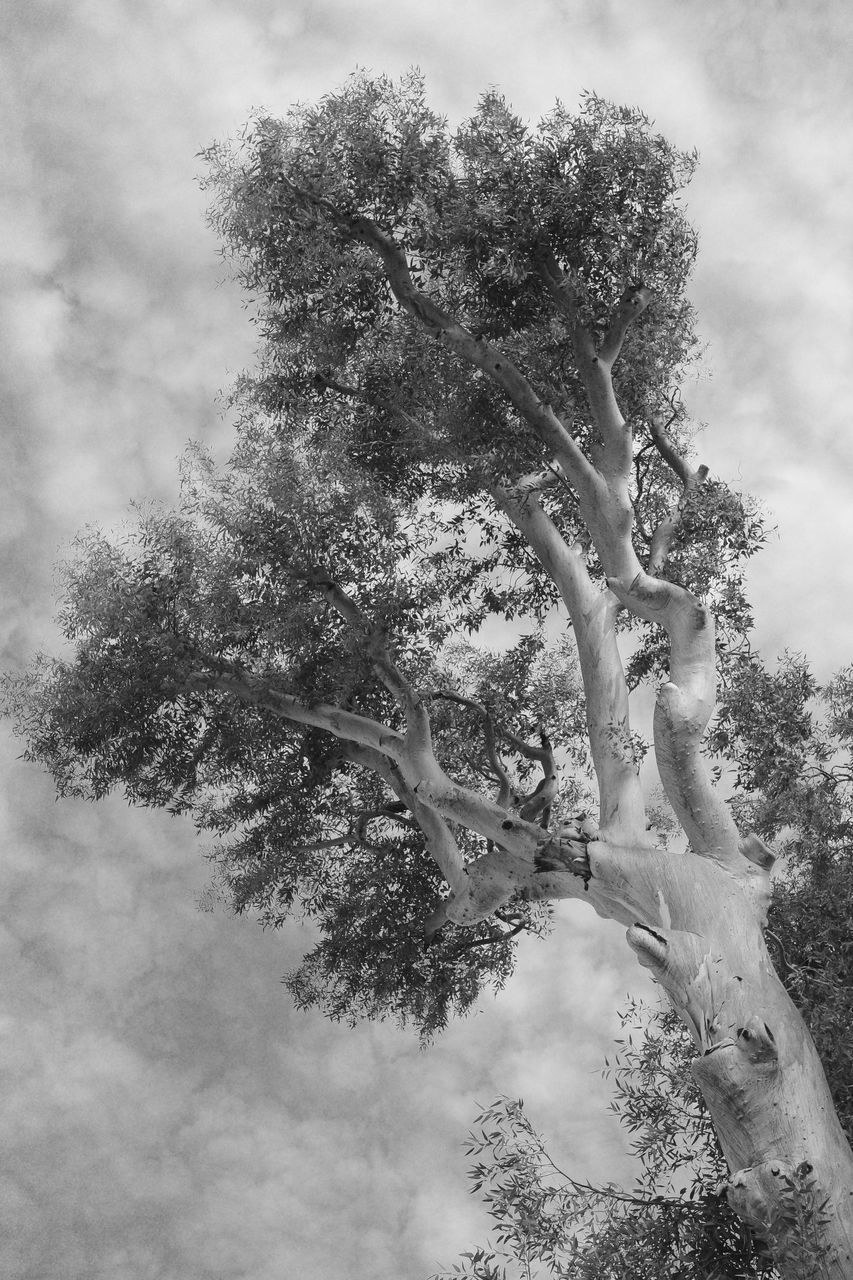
(466, 407)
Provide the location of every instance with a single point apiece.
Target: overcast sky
(166, 1113)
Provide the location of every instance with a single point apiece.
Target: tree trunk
(759, 1072)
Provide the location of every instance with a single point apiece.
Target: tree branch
(664, 443)
(684, 706)
(538, 803)
(356, 393)
(321, 715)
(690, 478)
(595, 366)
(472, 943)
(662, 538)
(440, 841)
(593, 614)
(631, 305)
(418, 735)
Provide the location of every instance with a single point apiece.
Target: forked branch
(691, 478)
(536, 805)
(593, 614)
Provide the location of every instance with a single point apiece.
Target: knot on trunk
(567, 848)
(780, 1203)
(756, 1041)
(732, 1062)
(753, 848)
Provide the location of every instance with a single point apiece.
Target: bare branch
(632, 304)
(665, 445)
(691, 478)
(496, 768)
(539, 801)
(544, 754)
(663, 536)
(491, 941)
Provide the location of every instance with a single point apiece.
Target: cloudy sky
(165, 1112)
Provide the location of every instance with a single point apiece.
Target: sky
(166, 1112)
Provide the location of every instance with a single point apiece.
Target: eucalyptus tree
(465, 410)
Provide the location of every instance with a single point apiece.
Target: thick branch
(593, 614)
(631, 305)
(321, 715)
(595, 365)
(544, 753)
(440, 841)
(536, 481)
(684, 706)
(686, 701)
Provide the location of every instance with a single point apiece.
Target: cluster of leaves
(675, 1222)
(470, 208)
(371, 962)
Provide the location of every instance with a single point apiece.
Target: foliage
(674, 1222)
(470, 207)
(298, 830)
